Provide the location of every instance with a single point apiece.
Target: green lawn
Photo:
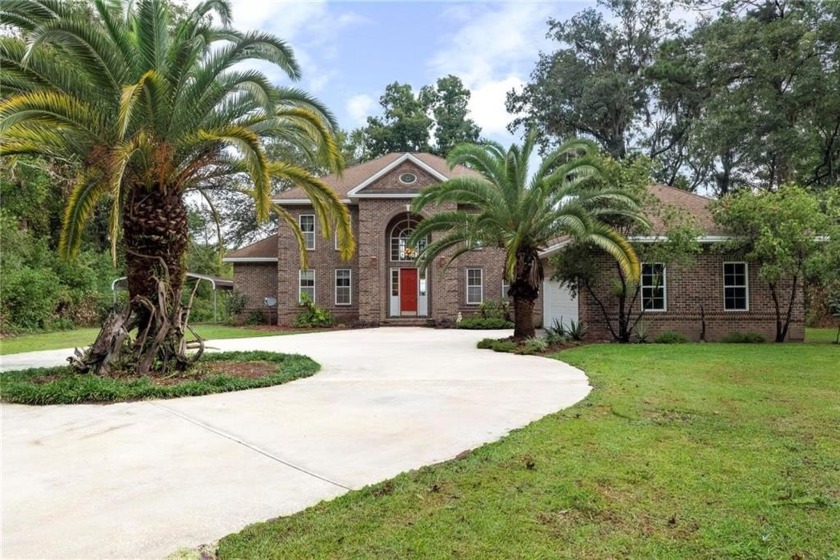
(681, 451)
(84, 337)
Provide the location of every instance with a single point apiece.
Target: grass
(821, 336)
(84, 337)
(681, 451)
(66, 387)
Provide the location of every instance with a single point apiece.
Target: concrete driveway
(147, 478)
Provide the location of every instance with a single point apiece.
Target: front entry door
(408, 291)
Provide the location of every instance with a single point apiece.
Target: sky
(349, 51)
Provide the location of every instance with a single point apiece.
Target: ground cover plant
(216, 373)
(78, 338)
(681, 451)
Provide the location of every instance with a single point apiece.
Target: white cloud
(359, 107)
(487, 105)
(493, 50)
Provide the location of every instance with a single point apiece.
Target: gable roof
(358, 176)
(264, 250)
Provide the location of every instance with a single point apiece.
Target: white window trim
(664, 289)
(746, 285)
(350, 287)
(300, 285)
(335, 240)
(314, 230)
(467, 286)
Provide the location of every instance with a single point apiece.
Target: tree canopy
(433, 120)
(747, 97)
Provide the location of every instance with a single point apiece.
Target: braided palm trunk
(155, 241)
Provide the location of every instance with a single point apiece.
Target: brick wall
(324, 260)
(687, 288)
(256, 281)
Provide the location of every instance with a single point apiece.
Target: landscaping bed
(214, 373)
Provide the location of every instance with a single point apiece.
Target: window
(653, 287)
(408, 178)
(307, 226)
(306, 284)
(475, 289)
(422, 291)
(335, 240)
(400, 249)
(395, 282)
(505, 288)
(343, 288)
(736, 293)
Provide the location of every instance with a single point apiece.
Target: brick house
(721, 290)
(382, 285)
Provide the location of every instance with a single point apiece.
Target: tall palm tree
(154, 104)
(523, 215)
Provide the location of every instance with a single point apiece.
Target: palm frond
(87, 191)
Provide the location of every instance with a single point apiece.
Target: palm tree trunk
(155, 236)
(525, 290)
(155, 240)
(523, 318)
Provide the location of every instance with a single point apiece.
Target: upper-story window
(407, 178)
(401, 249)
(307, 226)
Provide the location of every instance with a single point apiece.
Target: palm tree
(521, 215)
(155, 104)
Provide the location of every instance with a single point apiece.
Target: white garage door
(558, 304)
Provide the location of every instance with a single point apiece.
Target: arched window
(401, 250)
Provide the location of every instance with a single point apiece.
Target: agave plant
(153, 104)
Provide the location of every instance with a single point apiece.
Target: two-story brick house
(381, 284)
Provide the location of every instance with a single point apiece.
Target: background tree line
(749, 96)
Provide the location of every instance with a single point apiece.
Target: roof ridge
(683, 191)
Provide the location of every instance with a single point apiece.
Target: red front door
(408, 290)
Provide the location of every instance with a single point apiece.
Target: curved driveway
(147, 478)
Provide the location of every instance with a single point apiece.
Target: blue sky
(349, 51)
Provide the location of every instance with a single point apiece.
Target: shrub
(556, 333)
(312, 315)
(255, 317)
(495, 309)
(235, 304)
(671, 337)
(480, 323)
(744, 338)
(532, 346)
(30, 297)
(577, 330)
(444, 323)
(503, 345)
